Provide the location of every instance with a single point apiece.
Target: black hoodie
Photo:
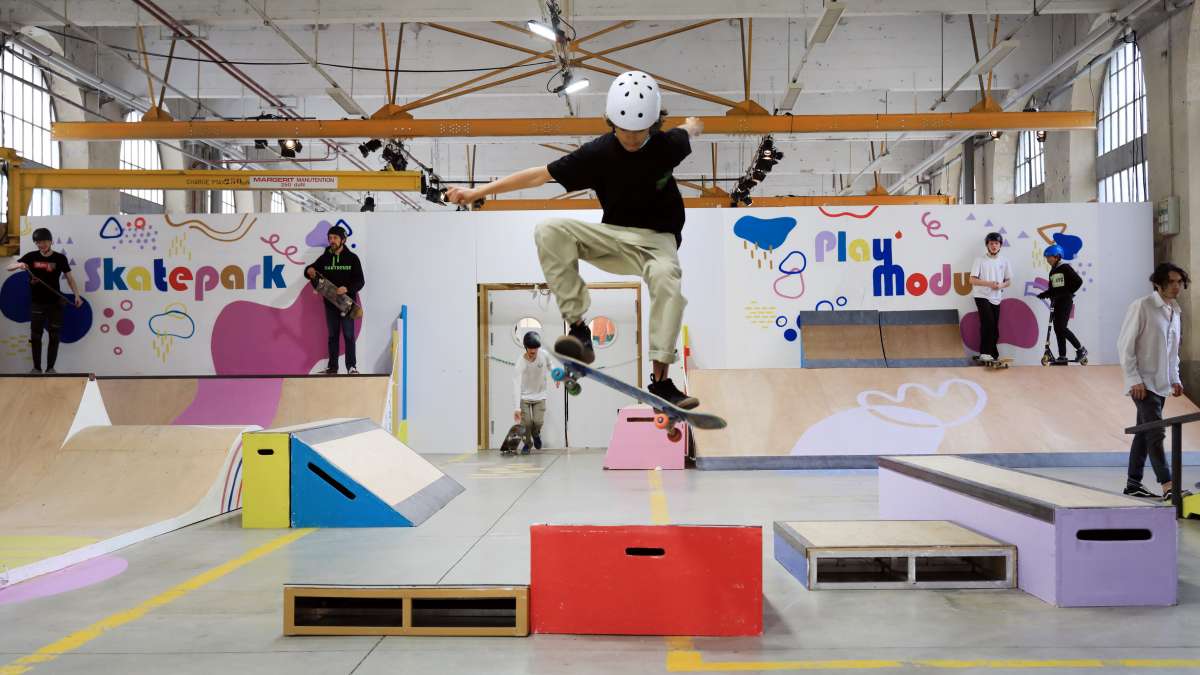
(343, 269)
(1064, 281)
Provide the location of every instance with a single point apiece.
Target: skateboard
(666, 415)
(1003, 362)
(1048, 358)
(68, 302)
(344, 303)
(513, 439)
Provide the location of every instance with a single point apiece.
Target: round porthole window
(604, 332)
(523, 326)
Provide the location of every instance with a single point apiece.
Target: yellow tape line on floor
(78, 639)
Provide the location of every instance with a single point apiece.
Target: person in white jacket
(1149, 351)
(531, 386)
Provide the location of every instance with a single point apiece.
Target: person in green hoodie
(343, 269)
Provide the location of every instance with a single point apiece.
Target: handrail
(1161, 424)
(1176, 423)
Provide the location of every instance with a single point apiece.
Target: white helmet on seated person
(634, 101)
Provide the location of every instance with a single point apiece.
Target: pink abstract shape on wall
(1018, 326)
(234, 401)
(253, 339)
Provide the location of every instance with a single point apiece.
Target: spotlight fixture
(432, 188)
(260, 144)
(1041, 135)
(542, 30)
(569, 84)
(393, 154)
(370, 146)
(996, 134)
(577, 85)
(368, 205)
(288, 147)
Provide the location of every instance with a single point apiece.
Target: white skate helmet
(634, 101)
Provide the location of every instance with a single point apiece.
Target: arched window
(1121, 129)
(277, 204)
(141, 155)
(1031, 167)
(26, 113)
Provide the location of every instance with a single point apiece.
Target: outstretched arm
(521, 180)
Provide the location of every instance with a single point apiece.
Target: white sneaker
(353, 371)
(986, 358)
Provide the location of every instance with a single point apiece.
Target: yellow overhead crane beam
(22, 182)
(562, 126)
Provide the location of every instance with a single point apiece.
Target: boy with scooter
(1064, 282)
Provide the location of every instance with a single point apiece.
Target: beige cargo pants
(563, 242)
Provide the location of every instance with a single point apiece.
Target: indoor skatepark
(190, 492)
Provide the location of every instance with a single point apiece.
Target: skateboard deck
(344, 303)
(512, 440)
(667, 415)
(1003, 362)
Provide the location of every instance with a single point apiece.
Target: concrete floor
(233, 624)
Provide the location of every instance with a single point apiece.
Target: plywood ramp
(804, 418)
(35, 415)
(305, 399)
(109, 487)
(147, 400)
(841, 339)
(922, 339)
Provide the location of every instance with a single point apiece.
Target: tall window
(141, 155)
(26, 112)
(227, 203)
(277, 204)
(1121, 130)
(1031, 164)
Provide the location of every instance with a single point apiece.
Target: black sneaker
(1081, 354)
(1060, 361)
(330, 371)
(1139, 491)
(577, 343)
(666, 389)
(537, 442)
(1182, 493)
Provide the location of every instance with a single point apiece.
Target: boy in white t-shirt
(990, 275)
(531, 385)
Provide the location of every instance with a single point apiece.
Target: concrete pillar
(106, 155)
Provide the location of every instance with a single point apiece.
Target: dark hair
(531, 341)
(657, 126)
(993, 236)
(1162, 274)
(42, 234)
(338, 230)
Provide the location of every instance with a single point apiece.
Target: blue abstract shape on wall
(15, 301)
(765, 233)
(1070, 244)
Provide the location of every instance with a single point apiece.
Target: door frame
(483, 319)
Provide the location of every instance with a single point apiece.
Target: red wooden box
(646, 579)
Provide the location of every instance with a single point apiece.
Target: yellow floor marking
(78, 639)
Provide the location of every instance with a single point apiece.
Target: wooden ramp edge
(464, 611)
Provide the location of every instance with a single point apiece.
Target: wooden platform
(471, 611)
(1077, 546)
(922, 339)
(892, 554)
(841, 340)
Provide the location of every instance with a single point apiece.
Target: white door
(591, 414)
(510, 314)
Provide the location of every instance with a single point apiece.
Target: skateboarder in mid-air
(45, 266)
(1064, 282)
(630, 170)
(341, 267)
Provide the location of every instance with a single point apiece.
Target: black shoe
(666, 389)
(330, 371)
(1080, 354)
(1182, 493)
(524, 449)
(1139, 491)
(537, 442)
(577, 343)
(1060, 361)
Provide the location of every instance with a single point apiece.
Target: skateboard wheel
(674, 435)
(1045, 360)
(661, 421)
(557, 374)
(1083, 361)
(573, 388)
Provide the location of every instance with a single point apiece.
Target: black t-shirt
(636, 189)
(48, 269)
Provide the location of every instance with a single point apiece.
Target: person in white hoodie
(1148, 347)
(531, 385)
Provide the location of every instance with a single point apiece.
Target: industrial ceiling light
(996, 134)
(370, 146)
(260, 144)
(1041, 135)
(577, 85)
(994, 57)
(569, 84)
(542, 30)
(368, 205)
(393, 154)
(829, 20)
(343, 99)
(288, 147)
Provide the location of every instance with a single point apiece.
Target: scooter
(1048, 357)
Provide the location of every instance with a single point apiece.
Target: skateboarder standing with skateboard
(343, 268)
(630, 169)
(990, 275)
(46, 308)
(1064, 282)
(1148, 347)
(531, 384)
